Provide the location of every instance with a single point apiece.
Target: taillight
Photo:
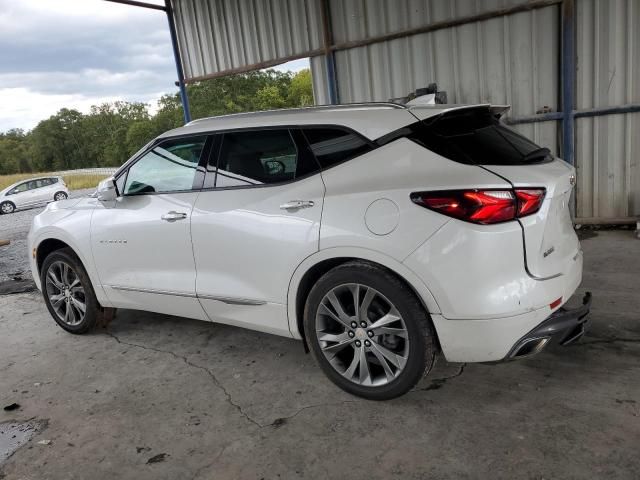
(482, 206)
(529, 200)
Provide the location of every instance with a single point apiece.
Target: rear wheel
(369, 333)
(7, 207)
(60, 196)
(68, 292)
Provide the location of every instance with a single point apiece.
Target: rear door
(41, 191)
(256, 220)
(474, 136)
(33, 195)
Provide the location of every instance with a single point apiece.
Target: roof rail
(341, 106)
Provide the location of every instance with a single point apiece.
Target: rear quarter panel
(391, 172)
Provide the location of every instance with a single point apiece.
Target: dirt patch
(17, 286)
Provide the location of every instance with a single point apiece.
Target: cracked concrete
(225, 403)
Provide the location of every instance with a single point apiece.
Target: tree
(111, 132)
(301, 89)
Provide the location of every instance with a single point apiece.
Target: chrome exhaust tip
(530, 347)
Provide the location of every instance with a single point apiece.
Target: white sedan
(32, 192)
(378, 234)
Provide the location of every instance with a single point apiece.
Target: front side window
(19, 189)
(260, 157)
(333, 145)
(168, 167)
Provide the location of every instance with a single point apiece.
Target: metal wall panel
(217, 35)
(608, 147)
(508, 60)
(362, 19)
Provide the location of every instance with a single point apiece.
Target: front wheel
(370, 334)
(7, 207)
(68, 292)
(60, 196)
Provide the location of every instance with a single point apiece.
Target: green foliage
(112, 132)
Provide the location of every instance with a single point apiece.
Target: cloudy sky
(77, 53)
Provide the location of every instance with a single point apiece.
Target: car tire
(60, 196)
(67, 289)
(377, 363)
(7, 207)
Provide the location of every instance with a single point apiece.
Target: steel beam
(567, 69)
(134, 3)
(178, 60)
(329, 55)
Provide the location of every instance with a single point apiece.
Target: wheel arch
(313, 267)
(47, 246)
(55, 239)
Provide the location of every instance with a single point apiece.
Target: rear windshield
(476, 137)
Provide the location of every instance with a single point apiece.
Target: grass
(74, 182)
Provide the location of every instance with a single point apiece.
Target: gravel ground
(14, 259)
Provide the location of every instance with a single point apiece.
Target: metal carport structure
(569, 68)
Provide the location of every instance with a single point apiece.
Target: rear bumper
(564, 326)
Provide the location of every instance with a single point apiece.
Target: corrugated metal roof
(509, 60)
(218, 35)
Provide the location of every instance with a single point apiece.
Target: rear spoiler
(499, 110)
(426, 115)
(431, 112)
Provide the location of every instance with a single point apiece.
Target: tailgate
(550, 241)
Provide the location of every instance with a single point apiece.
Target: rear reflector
(555, 303)
(482, 206)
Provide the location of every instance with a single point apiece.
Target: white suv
(32, 192)
(378, 234)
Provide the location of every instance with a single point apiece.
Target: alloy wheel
(7, 208)
(60, 196)
(362, 334)
(65, 293)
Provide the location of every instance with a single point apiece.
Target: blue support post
(332, 84)
(329, 54)
(176, 55)
(568, 68)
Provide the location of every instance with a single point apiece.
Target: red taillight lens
(529, 201)
(482, 206)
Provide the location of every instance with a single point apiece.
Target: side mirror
(107, 190)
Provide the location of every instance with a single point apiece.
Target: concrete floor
(163, 397)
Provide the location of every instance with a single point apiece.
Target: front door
(255, 227)
(142, 242)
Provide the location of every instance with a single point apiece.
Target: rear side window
(333, 145)
(477, 137)
(260, 157)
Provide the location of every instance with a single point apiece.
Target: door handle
(172, 216)
(295, 204)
